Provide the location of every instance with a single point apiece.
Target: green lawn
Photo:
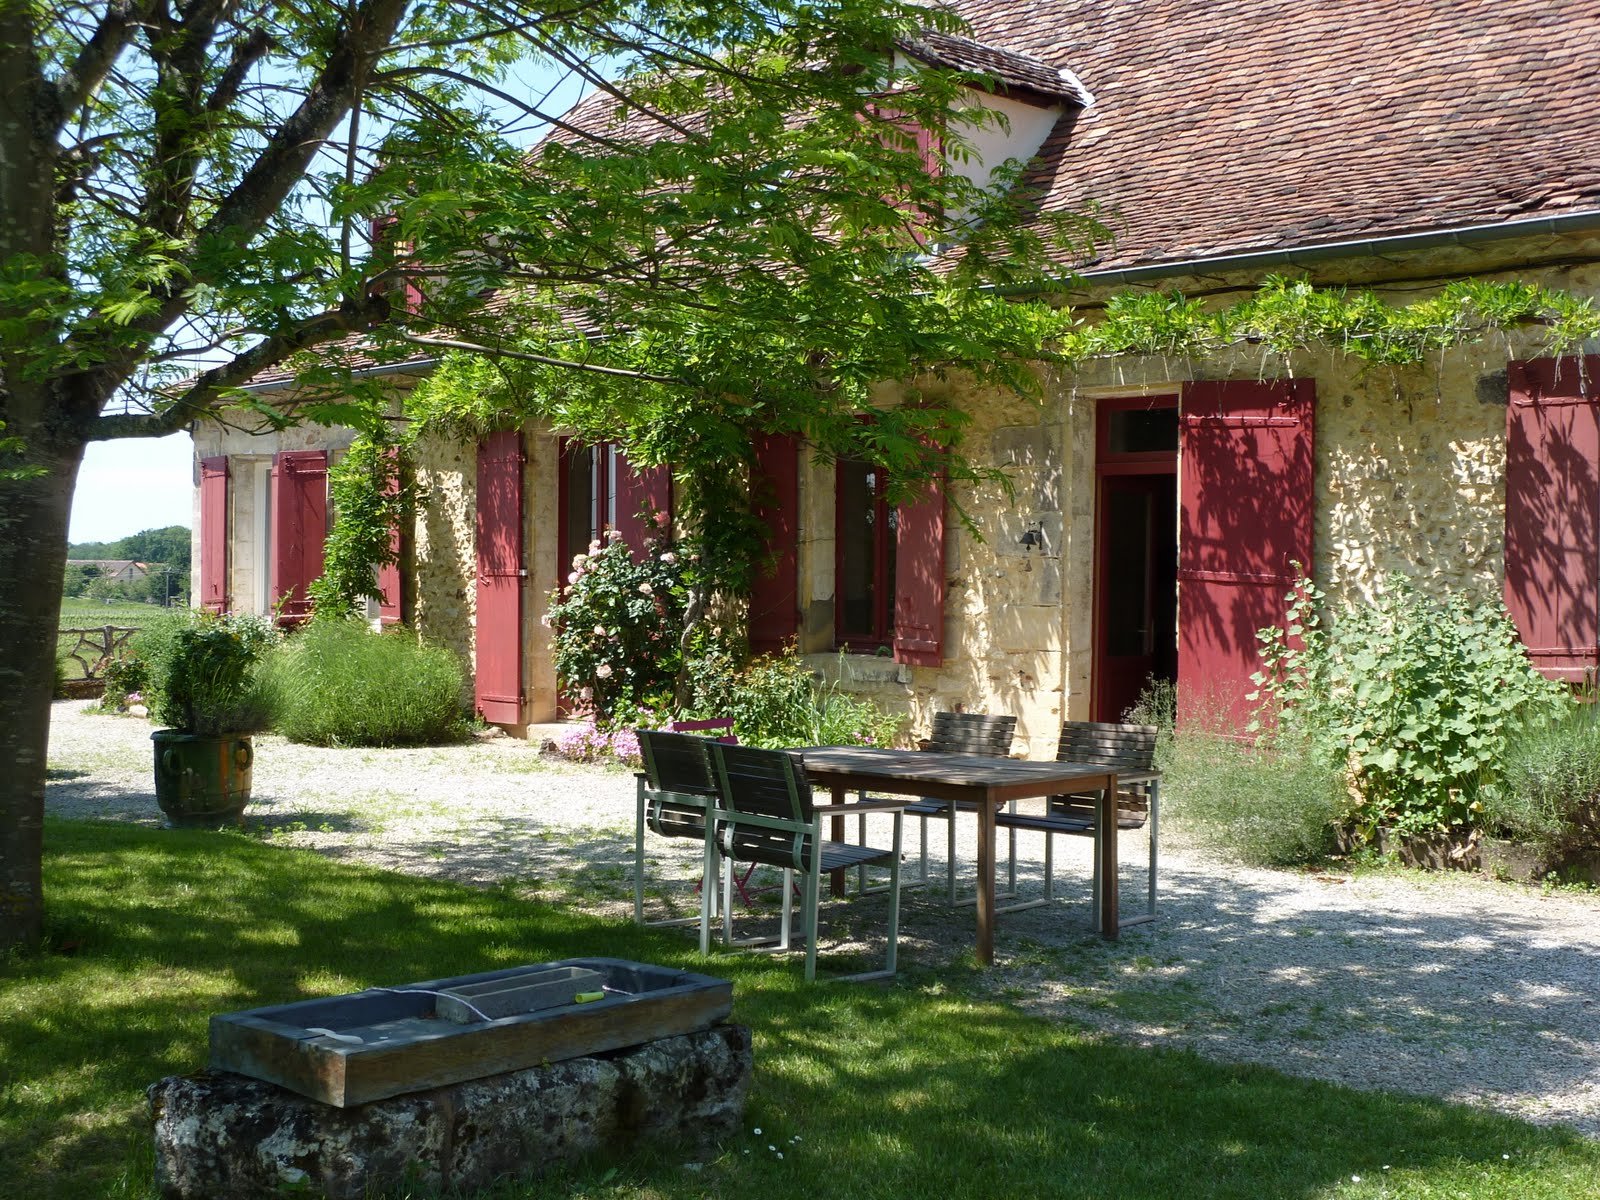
(920, 1089)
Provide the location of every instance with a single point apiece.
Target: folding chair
(765, 814)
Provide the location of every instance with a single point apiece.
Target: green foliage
(1276, 803)
(337, 683)
(619, 622)
(1548, 792)
(371, 500)
(127, 674)
(1417, 696)
(780, 702)
(201, 671)
(1286, 314)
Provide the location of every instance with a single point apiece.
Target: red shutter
(214, 534)
(389, 574)
(775, 501)
(919, 579)
(648, 490)
(1245, 473)
(299, 528)
(1553, 512)
(498, 673)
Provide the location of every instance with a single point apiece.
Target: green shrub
(1417, 695)
(779, 702)
(1276, 803)
(1548, 792)
(336, 683)
(200, 671)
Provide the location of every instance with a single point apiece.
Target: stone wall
(1409, 479)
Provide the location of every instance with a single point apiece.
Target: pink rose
(577, 562)
(586, 694)
(594, 547)
(663, 519)
(574, 576)
(669, 558)
(644, 589)
(613, 535)
(603, 671)
(600, 629)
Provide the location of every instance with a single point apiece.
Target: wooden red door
(775, 500)
(1553, 512)
(1245, 520)
(498, 643)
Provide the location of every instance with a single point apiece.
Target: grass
(919, 1089)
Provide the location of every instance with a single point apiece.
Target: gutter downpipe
(1461, 235)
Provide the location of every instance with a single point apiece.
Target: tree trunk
(33, 555)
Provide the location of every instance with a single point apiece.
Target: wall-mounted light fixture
(1032, 538)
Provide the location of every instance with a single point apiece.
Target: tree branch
(542, 360)
(73, 87)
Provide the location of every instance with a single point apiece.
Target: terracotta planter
(202, 782)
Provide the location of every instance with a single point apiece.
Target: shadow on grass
(905, 1091)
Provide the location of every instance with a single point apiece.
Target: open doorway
(1136, 551)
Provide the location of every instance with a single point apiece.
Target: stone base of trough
(221, 1134)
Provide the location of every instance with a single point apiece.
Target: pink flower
(600, 629)
(586, 694)
(613, 535)
(663, 519)
(546, 621)
(594, 546)
(669, 558)
(578, 560)
(574, 576)
(603, 671)
(644, 589)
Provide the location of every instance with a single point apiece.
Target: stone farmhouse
(1160, 503)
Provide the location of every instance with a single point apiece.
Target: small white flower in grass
(774, 1149)
(755, 1132)
(1355, 1179)
(780, 1153)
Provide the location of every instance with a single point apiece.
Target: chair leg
(708, 884)
(894, 895)
(638, 855)
(813, 880)
(788, 907)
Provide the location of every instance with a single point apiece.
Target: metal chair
(674, 793)
(765, 814)
(960, 733)
(1129, 748)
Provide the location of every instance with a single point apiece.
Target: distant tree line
(164, 553)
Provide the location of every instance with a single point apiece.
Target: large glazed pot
(202, 782)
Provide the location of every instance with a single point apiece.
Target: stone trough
(453, 1083)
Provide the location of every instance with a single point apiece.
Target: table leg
(1110, 922)
(986, 834)
(836, 878)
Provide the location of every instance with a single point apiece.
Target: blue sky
(134, 484)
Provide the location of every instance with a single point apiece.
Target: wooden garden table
(986, 783)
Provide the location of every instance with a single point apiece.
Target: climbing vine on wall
(372, 498)
(1284, 315)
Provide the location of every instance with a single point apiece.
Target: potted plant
(201, 680)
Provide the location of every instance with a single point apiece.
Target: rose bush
(619, 622)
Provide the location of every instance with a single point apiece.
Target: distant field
(78, 613)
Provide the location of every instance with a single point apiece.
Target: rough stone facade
(219, 1134)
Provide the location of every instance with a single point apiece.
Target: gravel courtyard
(1446, 985)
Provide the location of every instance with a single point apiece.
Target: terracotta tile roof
(1009, 69)
(1228, 129)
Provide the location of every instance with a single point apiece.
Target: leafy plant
(201, 671)
(1548, 792)
(337, 683)
(779, 702)
(371, 499)
(619, 622)
(1416, 696)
